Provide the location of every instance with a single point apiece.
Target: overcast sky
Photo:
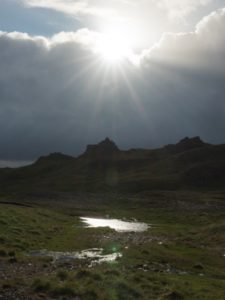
(62, 86)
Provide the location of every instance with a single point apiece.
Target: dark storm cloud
(57, 94)
(190, 77)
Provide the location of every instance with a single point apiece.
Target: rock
(185, 145)
(198, 266)
(104, 149)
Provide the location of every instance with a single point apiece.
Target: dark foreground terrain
(178, 189)
(181, 256)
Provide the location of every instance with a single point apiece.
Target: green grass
(180, 257)
(27, 229)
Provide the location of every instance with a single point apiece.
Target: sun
(114, 46)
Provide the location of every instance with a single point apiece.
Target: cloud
(200, 49)
(180, 9)
(74, 8)
(146, 19)
(57, 94)
(174, 8)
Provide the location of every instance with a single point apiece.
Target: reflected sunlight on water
(118, 225)
(95, 255)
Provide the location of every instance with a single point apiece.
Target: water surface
(95, 255)
(118, 225)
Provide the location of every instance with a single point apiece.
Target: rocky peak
(106, 147)
(186, 144)
(191, 142)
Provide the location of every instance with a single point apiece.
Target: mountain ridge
(191, 163)
(108, 148)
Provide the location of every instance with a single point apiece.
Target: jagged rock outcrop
(106, 148)
(186, 144)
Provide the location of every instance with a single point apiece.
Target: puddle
(118, 225)
(95, 256)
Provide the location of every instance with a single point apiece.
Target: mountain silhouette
(189, 164)
(186, 144)
(102, 150)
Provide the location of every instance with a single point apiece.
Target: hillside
(190, 163)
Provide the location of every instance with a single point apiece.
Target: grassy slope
(187, 236)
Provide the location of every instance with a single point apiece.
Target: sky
(144, 73)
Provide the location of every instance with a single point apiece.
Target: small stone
(198, 266)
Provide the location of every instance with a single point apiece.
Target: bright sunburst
(114, 46)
